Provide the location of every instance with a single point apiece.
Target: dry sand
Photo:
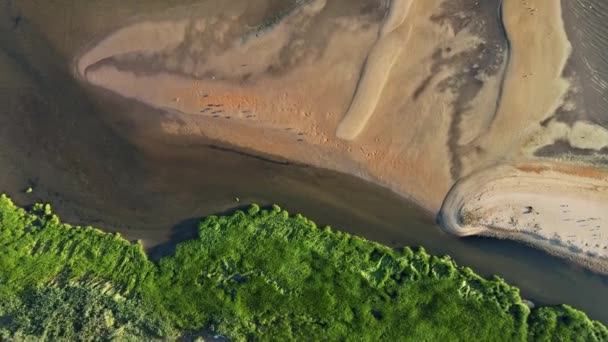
(415, 96)
(556, 207)
(393, 36)
(533, 87)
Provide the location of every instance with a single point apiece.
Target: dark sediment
(485, 59)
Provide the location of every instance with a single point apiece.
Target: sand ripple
(590, 39)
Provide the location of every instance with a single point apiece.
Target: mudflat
(68, 138)
(286, 88)
(413, 95)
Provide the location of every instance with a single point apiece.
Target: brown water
(98, 160)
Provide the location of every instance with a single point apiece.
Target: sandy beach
(427, 98)
(555, 207)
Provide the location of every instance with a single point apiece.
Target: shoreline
(155, 189)
(532, 199)
(535, 88)
(299, 111)
(159, 289)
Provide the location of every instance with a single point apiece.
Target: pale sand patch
(397, 14)
(559, 207)
(533, 87)
(393, 37)
(561, 210)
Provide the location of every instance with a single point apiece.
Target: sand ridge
(393, 37)
(533, 86)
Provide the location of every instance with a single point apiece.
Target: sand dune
(373, 79)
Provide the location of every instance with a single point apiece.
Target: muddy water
(101, 161)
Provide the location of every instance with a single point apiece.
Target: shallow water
(585, 22)
(98, 160)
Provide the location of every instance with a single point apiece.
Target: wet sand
(540, 87)
(425, 83)
(162, 188)
(585, 24)
(533, 87)
(69, 139)
(392, 37)
(422, 111)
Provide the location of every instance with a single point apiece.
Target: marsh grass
(255, 275)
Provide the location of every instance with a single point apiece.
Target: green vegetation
(256, 275)
(72, 313)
